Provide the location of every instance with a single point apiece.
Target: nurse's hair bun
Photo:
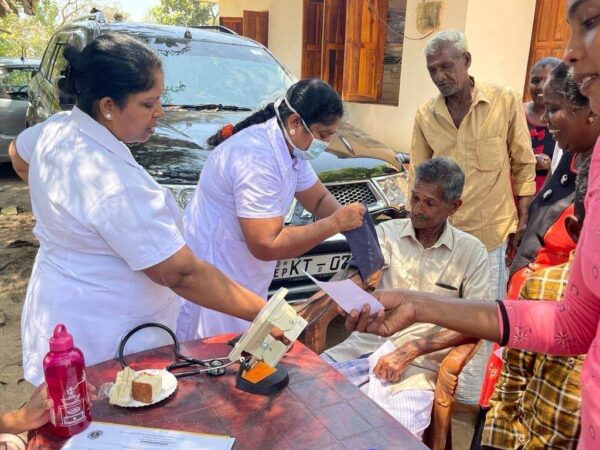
(113, 65)
(72, 54)
(67, 84)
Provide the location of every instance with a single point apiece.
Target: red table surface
(319, 409)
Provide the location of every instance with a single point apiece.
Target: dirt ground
(17, 252)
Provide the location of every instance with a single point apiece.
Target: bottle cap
(61, 340)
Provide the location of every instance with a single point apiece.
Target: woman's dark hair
(314, 99)
(113, 65)
(561, 80)
(581, 186)
(547, 61)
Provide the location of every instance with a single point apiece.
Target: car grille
(354, 192)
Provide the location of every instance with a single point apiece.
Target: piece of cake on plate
(146, 387)
(121, 391)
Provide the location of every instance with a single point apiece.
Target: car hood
(176, 152)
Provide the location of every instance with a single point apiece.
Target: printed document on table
(348, 295)
(102, 436)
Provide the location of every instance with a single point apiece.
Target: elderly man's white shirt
(100, 220)
(455, 266)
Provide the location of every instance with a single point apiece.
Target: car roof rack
(220, 28)
(97, 16)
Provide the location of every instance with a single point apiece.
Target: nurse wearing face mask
(235, 219)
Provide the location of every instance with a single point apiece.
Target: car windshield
(14, 80)
(209, 73)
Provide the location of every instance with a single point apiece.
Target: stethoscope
(214, 367)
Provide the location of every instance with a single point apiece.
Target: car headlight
(182, 193)
(394, 188)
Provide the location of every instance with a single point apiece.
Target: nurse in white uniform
(235, 219)
(111, 255)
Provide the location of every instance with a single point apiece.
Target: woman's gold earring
(590, 119)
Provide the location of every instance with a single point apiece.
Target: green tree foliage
(183, 12)
(29, 35)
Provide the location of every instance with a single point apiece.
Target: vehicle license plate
(315, 265)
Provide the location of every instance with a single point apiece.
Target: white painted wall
(285, 26)
(500, 46)
(499, 35)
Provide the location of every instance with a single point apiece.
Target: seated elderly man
(422, 253)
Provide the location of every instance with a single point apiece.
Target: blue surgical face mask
(316, 147)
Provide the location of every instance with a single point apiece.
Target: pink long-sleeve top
(570, 327)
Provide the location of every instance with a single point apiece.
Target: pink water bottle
(64, 369)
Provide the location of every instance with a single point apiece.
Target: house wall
(285, 26)
(500, 47)
(499, 35)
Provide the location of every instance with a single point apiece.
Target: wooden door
(233, 23)
(365, 42)
(334, 37)
(256, 26)
(312, 38)
(550, 34)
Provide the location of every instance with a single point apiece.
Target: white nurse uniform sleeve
(306, 176)
(137, 223)
(27, 140)
(256, 187)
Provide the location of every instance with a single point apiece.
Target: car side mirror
(403, 158)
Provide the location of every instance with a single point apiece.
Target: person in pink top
(569, 327)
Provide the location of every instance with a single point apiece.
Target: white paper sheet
(102, 436)
(348, 295)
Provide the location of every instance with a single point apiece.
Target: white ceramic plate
(169, 385)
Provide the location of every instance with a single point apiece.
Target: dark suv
(214, 77)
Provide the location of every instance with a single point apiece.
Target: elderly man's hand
(514, 241)
(390, 367)
(398, 314)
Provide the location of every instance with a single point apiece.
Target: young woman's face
(583, 48)
(536, 83)
(135, 121)
(569, 125)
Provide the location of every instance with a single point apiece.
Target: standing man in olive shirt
(483, 128)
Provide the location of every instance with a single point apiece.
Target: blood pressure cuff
(366, 253)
